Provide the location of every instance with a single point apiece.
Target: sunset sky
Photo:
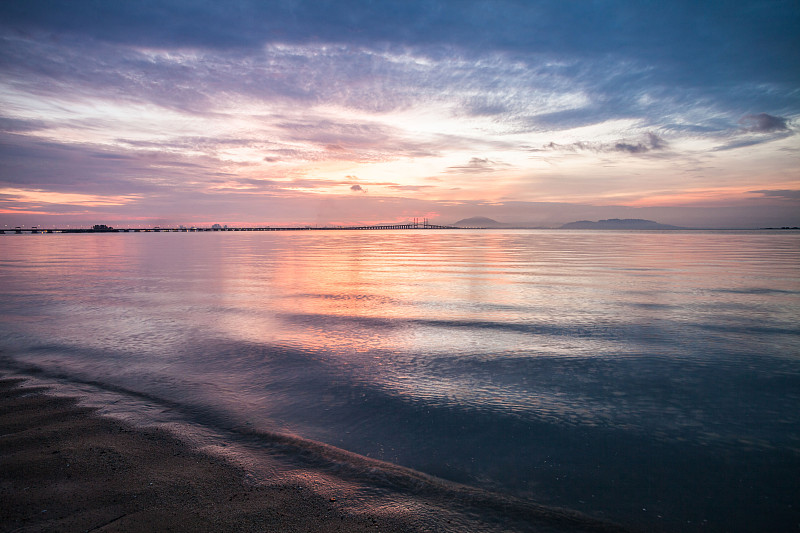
(298, 112)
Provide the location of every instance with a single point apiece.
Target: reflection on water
(605, 371)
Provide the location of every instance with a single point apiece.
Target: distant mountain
(617, 223)
(480, 222)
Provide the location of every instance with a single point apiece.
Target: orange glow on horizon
(38, 196)
(688, 197)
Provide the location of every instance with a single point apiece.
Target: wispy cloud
(756, 129)
(35, 198)
(218, 104)
(477, 165)
(649, 143)
(780, 193)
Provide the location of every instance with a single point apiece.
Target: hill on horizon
(611, 223)
(617, 223)
(480, 222)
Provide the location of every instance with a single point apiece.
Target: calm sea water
(650, 378)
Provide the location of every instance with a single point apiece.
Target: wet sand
(64, 468)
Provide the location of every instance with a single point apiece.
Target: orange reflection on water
(362, 292)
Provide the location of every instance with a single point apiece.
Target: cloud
(248, 98)
(757, 129)
(357, 188)
(748, 142)
(538, 90)
(638, 148)
(15, 125)
(412, 188)
(352, 140)
(476, 165)
(243, 184)
(748, 40)
(789, 194)
(35, 198)
(88, 168)
(650, 142)
(763, 123)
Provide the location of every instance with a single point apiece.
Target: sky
(245, 112)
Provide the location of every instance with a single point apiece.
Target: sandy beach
(64, 469)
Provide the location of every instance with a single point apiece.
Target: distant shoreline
(379, 227)
(157, 229)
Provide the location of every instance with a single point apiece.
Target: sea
(464, 377)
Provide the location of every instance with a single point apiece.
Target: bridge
(102, 228)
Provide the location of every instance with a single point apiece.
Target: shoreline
(63, 467)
